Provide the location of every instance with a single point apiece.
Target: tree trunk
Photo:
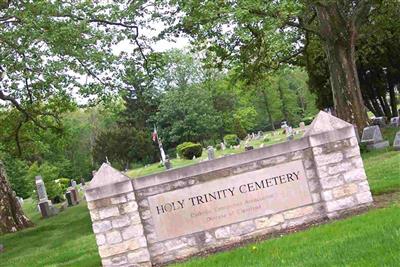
(283, 106)
(339, 36)
(12, 217)
(268, 109)
(393, 101)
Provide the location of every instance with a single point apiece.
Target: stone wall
(123, 223)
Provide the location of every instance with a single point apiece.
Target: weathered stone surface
(131, 206)
(132, 231)
(108, 212)
(101, 226)
(113, 237)
(129, 245)
(242, 228)
(339, 168)
(331, 181)
(344, 190)
(140, 255)
(299, 212)
(364, 197)
(118, 199)
(120, 221)
(352, 152)
(327, 195)
(354, 175)
(340, 204)
(316, 197)
(269, 221)
(363, 186)
(325, 159)
(175, 244)
(183, 253)
(115, 261)
(223, 232)
(325, 122)
(100, 239)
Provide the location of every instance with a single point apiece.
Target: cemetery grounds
(371, 238)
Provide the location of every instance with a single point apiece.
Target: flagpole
(160, 146)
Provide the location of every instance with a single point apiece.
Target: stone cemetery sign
(225, 201)
(373, 138)
(163, 217)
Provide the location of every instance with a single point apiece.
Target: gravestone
(372, 137)
(223, 147)
(380, 121)
(68, 196)
(41, 189)
(45, 206)
(74, 194)
(395, 122)
(82, 181)
(210, 153)
(302, 126)
(247, 148)
(167, 163)
(289, 133)
(396, 141)
(73, 183)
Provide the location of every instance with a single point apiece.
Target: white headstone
(41, 189)
(396, 141)
(373, 138)
(395, 122)
(211, 153)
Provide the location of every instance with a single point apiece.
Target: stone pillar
(116, 220)
(338, 164)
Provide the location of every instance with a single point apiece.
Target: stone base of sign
(126, 225)
(378, 145)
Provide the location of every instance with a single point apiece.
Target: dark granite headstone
(247, 148)
(69, 198)
(380, 121)
(395, 122)
(45, 209)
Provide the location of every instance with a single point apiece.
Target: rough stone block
(108, 212)
(157, 249)
(345, 190)
(131, 206)
(316, 197)
(175, 244)
(132, 231)
(113, 237)
(352, 152)
(101, 226)
(299, 212)
(363, 186)
(269, 221)
(242, 228)
(310, 173)
(327, 195)
(340, 204)
(91, 205)
(339, 168)
(138, 256)
(357, 162)
(115, 261)
(223, 232)
(94, 215)
(129, 245)
(130, 196)
(120, 221)
(353, 141)
(364, 197)
(118, 199)
(331, 181)
(354, 175)
(100, 239)
(186, 252)
(325, 159)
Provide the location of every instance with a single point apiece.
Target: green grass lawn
(370, 239)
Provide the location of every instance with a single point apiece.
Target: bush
(64, 183)
(188, 149)
(308, 120)
(231, 140)
(218, 147)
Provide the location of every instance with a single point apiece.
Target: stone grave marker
(372, 137)
(45, 206)
(380, 121)
(73, 183)
(211, 153)
(68, 196)
(396, 141)
(167, 163)
(223, 147)
(289, 133)
(302, 126)
(395, 122)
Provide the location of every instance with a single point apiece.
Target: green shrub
(188, 149)
(64, 183)
(218, 146)
(308, 120)
(231, 140)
